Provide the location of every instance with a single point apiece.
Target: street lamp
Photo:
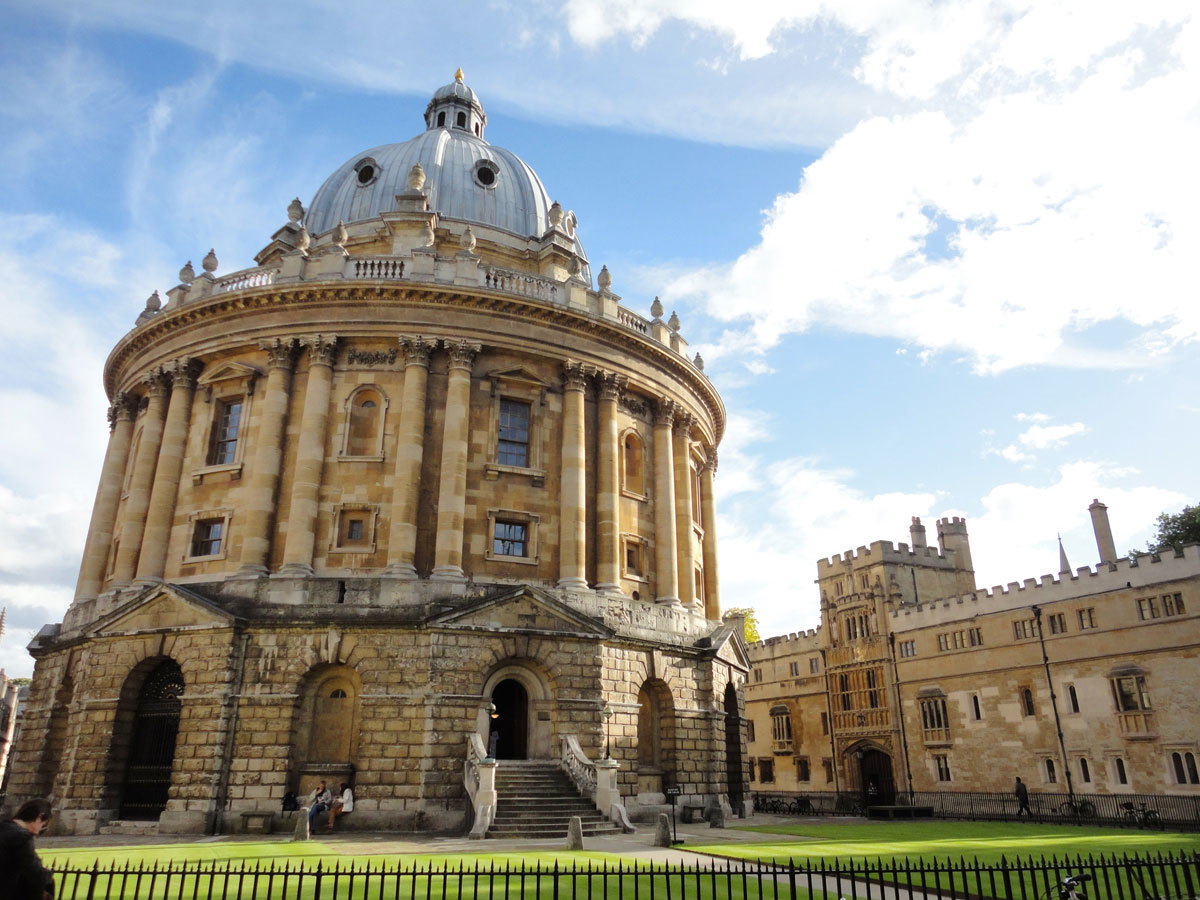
(492, 711)
(607, 713)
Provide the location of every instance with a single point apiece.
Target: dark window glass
(513, 449)
(511, 539)
(225, 432)
(206, 539)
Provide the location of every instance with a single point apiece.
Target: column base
(572, 583)
(295, 570)
(695, 606)
(448, 574)
(673, 602)
(401, 572)
(609, 589)
(145, 581)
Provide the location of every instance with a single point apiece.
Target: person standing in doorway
(23, 872)
(1022, 794)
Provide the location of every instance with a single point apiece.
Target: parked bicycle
(1078, 809)
(1142, 815)
(1070, 888)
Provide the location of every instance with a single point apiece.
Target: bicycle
(1078, 809)
(1142, 816)
(1069, 888)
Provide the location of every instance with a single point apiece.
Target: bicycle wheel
(1067, 809)
(1153, 819)
(1087, 809)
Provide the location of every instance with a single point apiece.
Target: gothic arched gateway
(150, 751)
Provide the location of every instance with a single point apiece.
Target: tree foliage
(749, 620)
(1173, 530)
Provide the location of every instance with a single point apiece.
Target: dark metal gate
(733, 747)
(878, 786)
(152, 744)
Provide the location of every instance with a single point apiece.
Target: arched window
(364, 423)
(441, 120)
(1184, 765)
(634, 471)
(461, 120)
(1027, 702)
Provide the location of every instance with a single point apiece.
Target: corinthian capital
(184, 371)
(611, 385)
(710, 460)
(462, 353)
(158, 382)
(574, 375)
(417, 349)
(123, 408)
(322, 349)
(281, 352)
(683, 422)
(665, 411)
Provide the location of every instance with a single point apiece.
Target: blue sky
(940, 257)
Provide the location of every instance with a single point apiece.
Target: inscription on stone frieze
(371, 357)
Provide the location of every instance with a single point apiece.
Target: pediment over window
(231, 371)
(521, 609)
(163, 607)
(516, 375)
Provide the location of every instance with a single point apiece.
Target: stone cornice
(337, 294)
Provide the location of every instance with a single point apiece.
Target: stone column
(310, 457)
(261, 493)
(410, 447)
(685, 542)
(712, 597)
(572, 517)
(133, 518)
(108, 497)
(165, 491)
(666, 574)
(452, 488)
(608, 481)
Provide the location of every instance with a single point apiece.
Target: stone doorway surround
(539, 739)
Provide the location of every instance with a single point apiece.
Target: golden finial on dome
(458, 76)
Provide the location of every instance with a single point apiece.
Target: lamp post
(607, 713)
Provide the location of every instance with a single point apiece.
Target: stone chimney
(916, 533)
(1104, 538)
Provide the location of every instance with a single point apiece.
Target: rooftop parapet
(886, 552)
(796, 640)
(1147, 570)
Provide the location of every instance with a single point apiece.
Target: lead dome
(467, 179)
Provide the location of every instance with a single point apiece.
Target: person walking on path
(1022, 793)
(22, 871)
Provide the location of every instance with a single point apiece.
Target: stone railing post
(606, 786)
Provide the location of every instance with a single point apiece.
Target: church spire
(1064, 567)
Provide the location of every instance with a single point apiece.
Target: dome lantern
(456, 106)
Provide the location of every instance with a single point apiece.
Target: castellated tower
(416, 493)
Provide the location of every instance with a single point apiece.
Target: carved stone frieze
(462, 353)
(417, 349)
(634, 404)
(371, 357)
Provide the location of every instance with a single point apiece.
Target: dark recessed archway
(510, 727)
(151, 748)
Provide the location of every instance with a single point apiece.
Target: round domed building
(411, 505)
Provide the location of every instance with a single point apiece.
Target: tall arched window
(634, 470)
(1027, 702)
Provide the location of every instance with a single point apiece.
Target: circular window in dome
(486, 173)
(367, 170)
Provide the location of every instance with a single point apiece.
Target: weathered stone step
(140, 827)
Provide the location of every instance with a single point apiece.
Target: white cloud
(1040, 437)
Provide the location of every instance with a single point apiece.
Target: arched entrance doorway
(733, 747)
(152, 743)
(508, 737)
(875, 777)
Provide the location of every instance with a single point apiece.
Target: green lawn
(986, 842)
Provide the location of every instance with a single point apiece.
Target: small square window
(814, 665)
(827, 765)
(794, 669)
(353, 529)
(803, 772)
(1087, 618)
(510, 538)
(943, 767)
(766, 771)
(206, 537)
(1058, 623)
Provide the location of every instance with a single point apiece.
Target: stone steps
(537, 800)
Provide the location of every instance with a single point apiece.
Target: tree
(1175, 530)
(749, 621)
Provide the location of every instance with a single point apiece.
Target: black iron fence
(1150, 877)
(1133, 810)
